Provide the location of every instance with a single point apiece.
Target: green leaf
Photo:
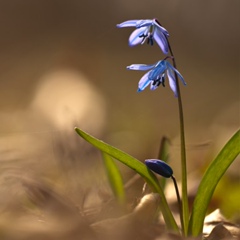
(163, 153)
(137, 166)
(164, 156)
(209, 182)
(115, 178)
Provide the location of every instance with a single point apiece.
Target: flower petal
(144, 82)
(177, 72)
(161, 40)
(144, 23)
(158, 70)
(141, 67)
(135, 38)
(162, 29)
(129, 23)
(172, 81)
(153, 86)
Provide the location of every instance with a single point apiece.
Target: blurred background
(63, 64)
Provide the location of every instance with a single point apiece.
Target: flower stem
(178, 199)
(185, 206)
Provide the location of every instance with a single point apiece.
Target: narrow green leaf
(137, 166)
(114, 177)
(163, 155)
(209, 182)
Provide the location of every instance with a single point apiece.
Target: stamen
(150, 39)
(144, 37)
(163, 80)
(154, 82)
(157, 82)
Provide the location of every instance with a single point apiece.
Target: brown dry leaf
(217, 227)
(131, 226)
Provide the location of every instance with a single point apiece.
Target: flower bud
(159, 167)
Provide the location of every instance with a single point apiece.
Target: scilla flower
(147, 30)
(156, 75)
(159, 167)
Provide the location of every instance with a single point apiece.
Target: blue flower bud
(159, 167)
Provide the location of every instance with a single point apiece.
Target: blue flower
(159, 167)
(156, 75)
(147, 30)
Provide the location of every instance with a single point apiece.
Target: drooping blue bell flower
(156, 75)
(150, 30)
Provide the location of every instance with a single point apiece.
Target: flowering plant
(150, 31)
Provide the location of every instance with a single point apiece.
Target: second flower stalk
(150, 31)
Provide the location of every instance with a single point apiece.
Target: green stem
(178, 199)
(185, 207)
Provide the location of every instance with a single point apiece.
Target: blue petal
(181, 77)
(161, 40)
(153, 87)
(141, 67)
(158, 70)
(162, 29)
(144, 82)
(159, 167)
(172, 81)
(135, 38)
(177, 72)
(144, 23)
(129, 23)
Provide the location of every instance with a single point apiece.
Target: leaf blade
(164, 156)
(137, 166)
(115, 178)
(209, 182)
